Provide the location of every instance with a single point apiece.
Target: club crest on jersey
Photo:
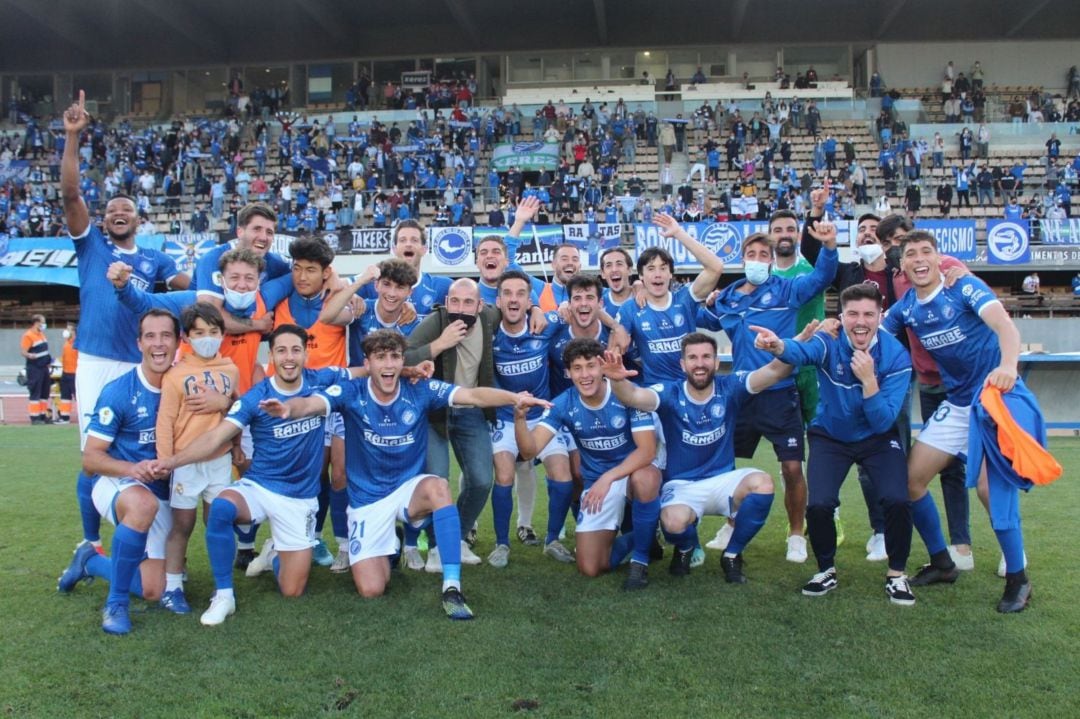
(949, 312)
(767, 298)
(678, 319)
(618, 421)
(146, 267)
(716, 411)
(408, 416)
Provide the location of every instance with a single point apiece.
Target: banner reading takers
(525, 156)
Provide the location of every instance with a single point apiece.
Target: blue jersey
(842, 412)
(126, 417)
(139, 302)
(560, 377)
(604, 434)
(657, 333)
(112, 328)
(610, 305)
(385, 444)
(700, 437)
(207, 280)
(288, 452)
(521, 364)
(948, 326)
(773, 304)
(429, 290)
(367, 323)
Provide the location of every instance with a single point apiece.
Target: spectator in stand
(1013, 211)
(1030, 285)
(1076, 285)
(984, 186)
(944, 198)
(913, 199)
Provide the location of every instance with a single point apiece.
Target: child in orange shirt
(178, 425)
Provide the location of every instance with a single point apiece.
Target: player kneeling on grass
(864, 376)
(698, 417)
(617, 447)
(131, 491)
(178, 425)
(281, 484)
(386, 429)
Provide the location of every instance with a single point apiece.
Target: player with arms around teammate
(617, 446)
(107, 344)
(130, 490)
(975, 344)
(282, 483)
(864, 376)
(698, 416)
(386, 432)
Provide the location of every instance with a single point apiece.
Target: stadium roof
(38, 36)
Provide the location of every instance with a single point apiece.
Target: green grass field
(546, 642)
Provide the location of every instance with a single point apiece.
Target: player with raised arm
(864, 377)
(386, 425)
(130, 490)
(617, 446)
(975, 345)
(106, 345)
(698, 415)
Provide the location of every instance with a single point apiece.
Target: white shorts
(200, 481)
(503, 440)
(710, 496)
(292, 519)
(371, 528)
(105, 492)
(947, 429)
(610, 516)
(91, 375)
(335, 427)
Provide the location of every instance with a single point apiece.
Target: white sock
(342, 543)
(525, 486)
(174, 581)
(451, 584)
(224, 593)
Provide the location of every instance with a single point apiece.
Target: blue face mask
(756, 272)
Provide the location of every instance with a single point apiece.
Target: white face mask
(869, 253)
(206, 347)
(240, 300)
(756, 272)
(67, 334)
(44, 326)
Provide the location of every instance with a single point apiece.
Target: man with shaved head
(457, 337)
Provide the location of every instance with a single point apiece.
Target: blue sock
(645, 516)
(753, 512)
(221, 541)
(339, 505)
(621, 547)
(1012, 546)
(412, 535)
(559, 496)
(276, 564)
(685, 540)
(136, 585)
(448, 535)
(245, 534)
(502, 506)
(924, 515)
(324, 506)
(128, 551)
(99, 566)
(91, 520)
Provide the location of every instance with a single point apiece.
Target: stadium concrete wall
(1036, 62)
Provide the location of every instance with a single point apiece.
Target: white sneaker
(875, 548)
(558, 552)
(341, 561)
(796, 548)
(722, 538)
(1001, 565)
(467, 554)
(434, 563)
(264, 562)
(413, 559)
(963, 562)
(220, 608)
(500, 556)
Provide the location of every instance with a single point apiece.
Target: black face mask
(469, 320)
(893, 255)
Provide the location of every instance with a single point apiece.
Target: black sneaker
(680, 562)
(243, 558)
(1016, 596)
(656, 550)
(820, 584)
(470, 538)
(528, 537)
(732, 567)
(453, 603)
(638, 577)
(898, 591)
(930, 574)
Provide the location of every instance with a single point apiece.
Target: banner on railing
(49, 260)
(186, 250)
(525, 156)
(17, 171)
(1060, 232)
(954, 237)
(1007, 242)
